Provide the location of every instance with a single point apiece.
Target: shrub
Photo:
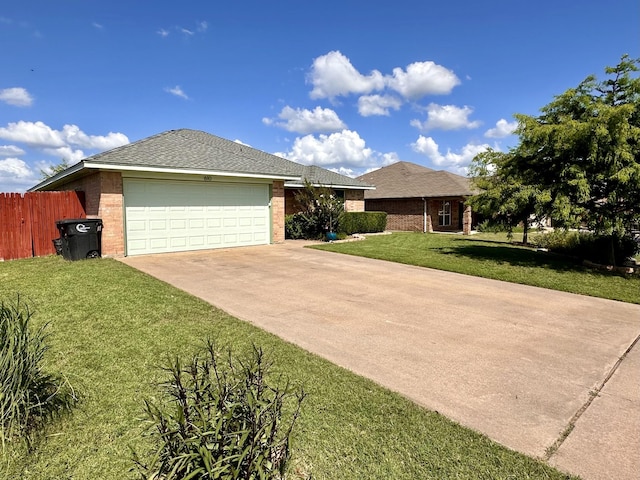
(320, 210)
(602, 249)
(300, 226)
(224, 421)
(363, 222)
(30, 397)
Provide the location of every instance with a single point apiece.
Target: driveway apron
(517, 363)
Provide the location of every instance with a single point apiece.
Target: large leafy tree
(579, 161)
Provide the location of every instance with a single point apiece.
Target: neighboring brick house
(189, 190)
(419, 199)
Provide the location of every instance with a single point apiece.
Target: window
(444, 215)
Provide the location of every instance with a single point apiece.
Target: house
(417, 198)
(188, 190)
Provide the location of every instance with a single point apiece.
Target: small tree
(320, 211)
(54, 169)
(505, 199)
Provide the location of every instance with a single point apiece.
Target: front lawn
(493, 256)
(112, 327)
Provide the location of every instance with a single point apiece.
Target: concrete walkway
(519, 364)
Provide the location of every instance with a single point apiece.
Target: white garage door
(171, 216)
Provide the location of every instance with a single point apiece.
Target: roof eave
(189, 171)
(55, 179)
(330, 185)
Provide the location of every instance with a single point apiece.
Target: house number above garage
(207, 178)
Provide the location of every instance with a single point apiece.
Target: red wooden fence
(28, 221)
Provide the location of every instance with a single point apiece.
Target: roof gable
(409, 180)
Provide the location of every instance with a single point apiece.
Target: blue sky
(347, 85)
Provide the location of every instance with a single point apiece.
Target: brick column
(466, 220)
(110, 211)
(277, 211)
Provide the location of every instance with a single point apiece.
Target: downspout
(424, 216)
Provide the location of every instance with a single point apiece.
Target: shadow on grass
(519, 257)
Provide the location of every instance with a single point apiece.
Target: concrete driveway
(519, 364)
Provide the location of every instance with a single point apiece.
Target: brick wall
(354, 200)
(407, 214)
(277, 211)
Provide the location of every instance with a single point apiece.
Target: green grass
(491, 255)
(112, 327)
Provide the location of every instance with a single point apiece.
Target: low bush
(30, 397)
(602, 249)
(220, 419)
(362, 222)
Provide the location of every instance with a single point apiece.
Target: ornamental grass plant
(30, 396)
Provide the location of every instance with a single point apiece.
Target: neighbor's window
(444, 215)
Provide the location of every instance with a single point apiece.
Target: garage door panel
(163, 216)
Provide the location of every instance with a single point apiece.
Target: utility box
(81, 238)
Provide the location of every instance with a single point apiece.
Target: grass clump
(224, 420)
(30, 396)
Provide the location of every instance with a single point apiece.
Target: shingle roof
(408, 180)
(187, 150)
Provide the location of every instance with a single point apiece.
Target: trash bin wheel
(93, 254)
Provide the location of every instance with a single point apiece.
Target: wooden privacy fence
(28, 221)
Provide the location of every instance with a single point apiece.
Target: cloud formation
(369, 105)
(457, 161)
(10, 150)
(177, 91)
(305, 121)
(502, 129)
(446, 117)
(39, 135)
(16, 96)
(421, 79)
(332, 75)
(344, 150)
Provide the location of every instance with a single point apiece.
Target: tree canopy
(578, 162)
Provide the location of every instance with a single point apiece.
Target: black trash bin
(81, 238)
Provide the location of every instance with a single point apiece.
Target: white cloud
(16, 175)
(202, 27)
(10, 150)
(422, 78)
(502, 129)
(187, 31)
(369, 105)
(97, 25)
(32, 134)
(16, 96)
(341, 150)
(451, 160)
(307, 121)
(177, 91)
(40, 135)
(162, 32)
(65, 153)
(333, 75)
(446, 117)
(14, 168)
